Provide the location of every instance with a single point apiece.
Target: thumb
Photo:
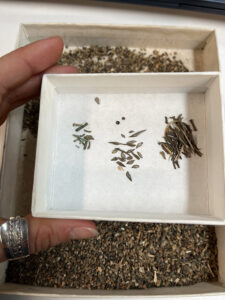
(46, 233)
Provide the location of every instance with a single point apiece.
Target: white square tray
(73, 183)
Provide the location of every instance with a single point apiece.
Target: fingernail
(83, 233)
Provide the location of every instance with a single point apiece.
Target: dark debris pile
(125, 256)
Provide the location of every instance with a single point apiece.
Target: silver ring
(14, 238)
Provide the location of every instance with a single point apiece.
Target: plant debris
(137, 133)
(163, 154)
(193, 125)
(125, 256)
(31, 116)
(128, 176)
(127, 156)
(82, 139)
(178, 140)
(97, 100)
(104, 59)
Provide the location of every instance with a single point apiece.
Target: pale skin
(21, 74)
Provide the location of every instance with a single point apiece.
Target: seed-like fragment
(135, 166)
(115, 143)
(123, 155)
(193, 125)
(131, 131)
(177, 164)
(85, 130)
(89, 145)
(120, 164)
(128, 176)
(78, 136)
(89, 137)
(82, 126)
(97, 100)
(85, 145)
(122, 159)
(131, 143)
(114, 158)
(135, 155)
(163, 154)
(139, 145)
(140, 155)
(129, 157)
(123, 136)
(137, 133)
(114, 151)
(130, 162)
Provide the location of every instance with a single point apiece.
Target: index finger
(20, 65)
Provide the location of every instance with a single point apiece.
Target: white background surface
(14, 12)
(96, 170)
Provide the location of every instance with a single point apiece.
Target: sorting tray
(197, 48)
(74, 183)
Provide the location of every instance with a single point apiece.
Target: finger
(46, 233)
(20, 65)
(29, 90)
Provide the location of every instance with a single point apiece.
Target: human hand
(21, 74)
